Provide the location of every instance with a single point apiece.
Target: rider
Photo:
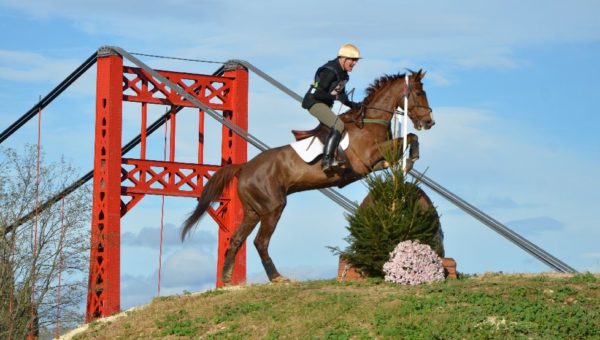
(329, 85)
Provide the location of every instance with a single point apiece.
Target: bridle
(360, 120)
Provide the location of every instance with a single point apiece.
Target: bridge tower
(120, 183)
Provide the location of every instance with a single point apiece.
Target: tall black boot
(329, 150)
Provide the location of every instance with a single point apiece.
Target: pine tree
(394, 211)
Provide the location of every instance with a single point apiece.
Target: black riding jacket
(329, 85)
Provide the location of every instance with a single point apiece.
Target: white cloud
(189, 267)
(136, 290)
(33, 67)
(473, 34)
(150, 237)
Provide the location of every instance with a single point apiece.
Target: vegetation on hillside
(490, 306)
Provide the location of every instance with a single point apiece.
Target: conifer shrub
(394, 211)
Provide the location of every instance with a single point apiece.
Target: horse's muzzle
(429, 125)
(420, 125)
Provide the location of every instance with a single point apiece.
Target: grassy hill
(489, 306)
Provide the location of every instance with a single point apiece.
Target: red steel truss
(120, 183)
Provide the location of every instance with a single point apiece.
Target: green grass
(490, 306)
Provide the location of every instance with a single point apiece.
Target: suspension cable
(70, 79)
(13, 242)
(178, 58)
(35, 228)
(162, 212)
(60, 265)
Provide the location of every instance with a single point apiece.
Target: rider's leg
(331, 145)
(324, 114)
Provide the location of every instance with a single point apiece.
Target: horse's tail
(213, 189)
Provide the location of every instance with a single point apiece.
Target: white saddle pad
(309, 148)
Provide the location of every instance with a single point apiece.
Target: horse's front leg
(412, 142)
(413, 145)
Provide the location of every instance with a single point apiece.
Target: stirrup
(336, 160)
(331, 164)
(337, 163)
(326, 164)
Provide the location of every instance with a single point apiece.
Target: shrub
(393, 212)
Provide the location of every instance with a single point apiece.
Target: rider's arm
(343, 97)
(326, 77)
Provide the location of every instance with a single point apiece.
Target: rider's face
(348, 64)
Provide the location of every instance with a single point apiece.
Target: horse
(265, 181)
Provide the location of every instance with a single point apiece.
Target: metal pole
(405, 128)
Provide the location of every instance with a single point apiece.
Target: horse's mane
(377, 84)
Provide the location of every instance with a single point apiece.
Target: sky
(513, 87)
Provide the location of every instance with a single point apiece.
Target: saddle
(321, 132)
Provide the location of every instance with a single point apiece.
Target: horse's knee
(257, 244)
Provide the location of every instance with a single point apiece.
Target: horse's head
(387, 93)
(418, 107)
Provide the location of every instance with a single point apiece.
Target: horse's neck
(385, 100)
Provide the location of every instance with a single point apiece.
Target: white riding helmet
(349, 51)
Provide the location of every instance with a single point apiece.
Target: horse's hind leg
(268, 223)
(239, 236)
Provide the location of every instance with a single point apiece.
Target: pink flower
(413, 263)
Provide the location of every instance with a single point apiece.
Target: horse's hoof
(226, 281)
(280, 279)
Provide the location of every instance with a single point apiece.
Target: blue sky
(513, 85)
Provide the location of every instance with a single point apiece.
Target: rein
(360, 120)
(383, 122)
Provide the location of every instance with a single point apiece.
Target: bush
(394, 211)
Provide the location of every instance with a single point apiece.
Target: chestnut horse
(265, 181)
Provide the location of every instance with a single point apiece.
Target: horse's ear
(422, 73)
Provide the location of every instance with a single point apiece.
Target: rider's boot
(331, 145)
